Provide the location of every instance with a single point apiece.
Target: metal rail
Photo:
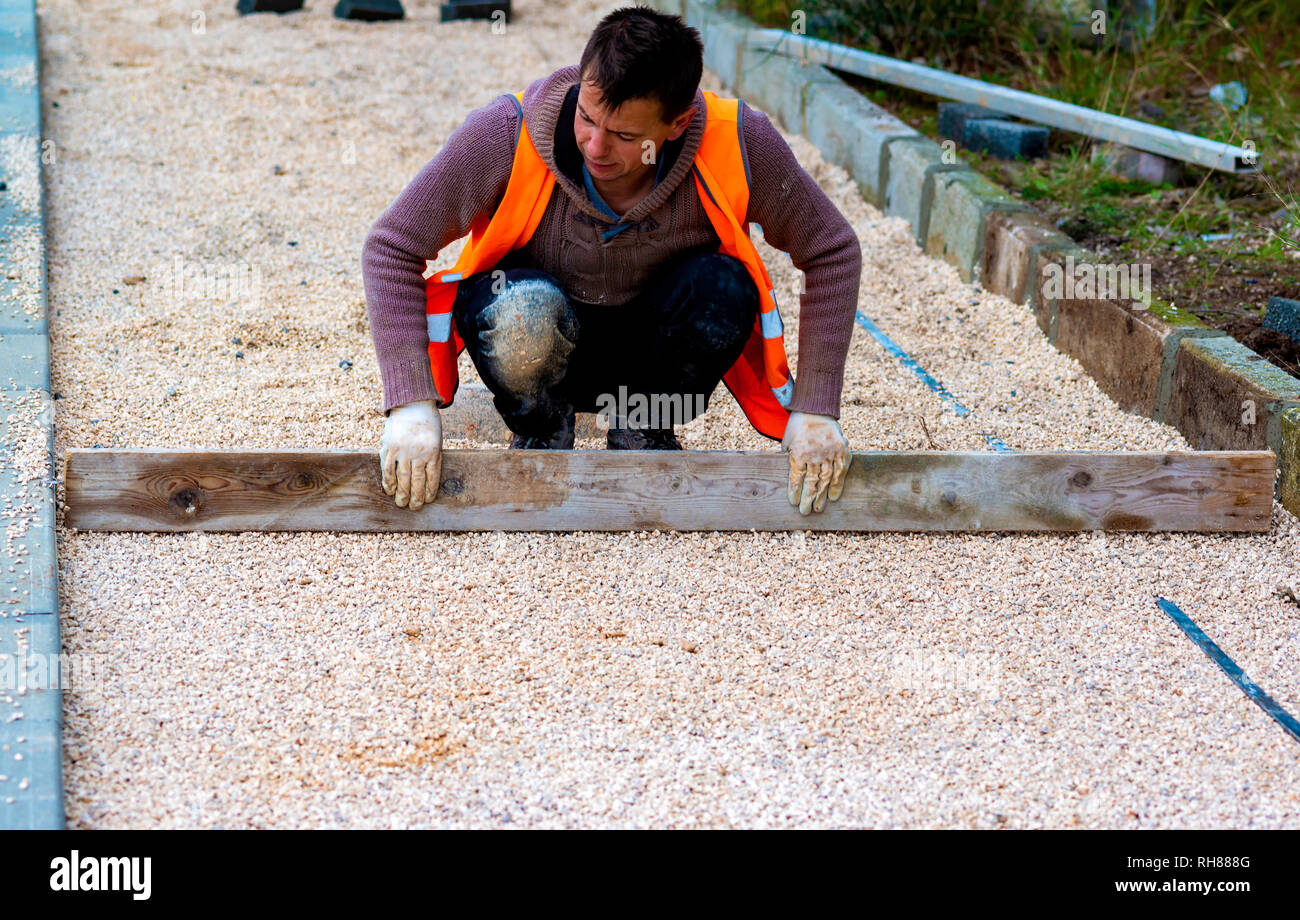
(1100, 125)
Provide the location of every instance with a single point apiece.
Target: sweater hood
(542, 105)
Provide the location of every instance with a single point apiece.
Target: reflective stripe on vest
(773, 328)
(439, 327)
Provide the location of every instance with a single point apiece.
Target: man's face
(624, 143)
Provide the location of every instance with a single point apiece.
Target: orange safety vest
(759, 379)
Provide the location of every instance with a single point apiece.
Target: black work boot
(562, 439)
(642, 439)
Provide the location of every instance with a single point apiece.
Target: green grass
(1195, 44)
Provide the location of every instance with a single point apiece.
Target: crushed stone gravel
(548, 680)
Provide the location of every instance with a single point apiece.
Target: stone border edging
(31, 720)
(1156, 362)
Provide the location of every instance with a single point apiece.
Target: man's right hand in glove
(410, 454)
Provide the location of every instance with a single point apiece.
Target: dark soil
(1226, 284)
(1227, 292)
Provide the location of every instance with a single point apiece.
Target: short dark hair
(637, 52)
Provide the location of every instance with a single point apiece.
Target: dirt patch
(1227, 289)
(408, 753)
(1225, 283)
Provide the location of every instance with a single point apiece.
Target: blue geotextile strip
(31, 705)
(910, 363)
(1231, 668)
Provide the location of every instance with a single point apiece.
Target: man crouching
(610, 263)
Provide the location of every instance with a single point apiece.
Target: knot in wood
(303, 481)
(186, 502)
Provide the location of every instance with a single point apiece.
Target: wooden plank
(290, 490)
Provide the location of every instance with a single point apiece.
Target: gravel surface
(645, 679)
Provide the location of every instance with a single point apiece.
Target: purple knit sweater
(468, 177)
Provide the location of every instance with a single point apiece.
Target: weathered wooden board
(291, 490)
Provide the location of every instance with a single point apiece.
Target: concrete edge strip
(31, 720)
(704, 13)
(1244, 376)
(1247, 686)
(1277, 436)
(1289, 460)
(1054, 306)
(969, 266)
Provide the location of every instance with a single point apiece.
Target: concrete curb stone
(909, 174)
(853, 133)
(1009, 242)
(959, 210)
(1226, 397)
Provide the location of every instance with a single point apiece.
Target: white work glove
(819, 458)
(410, 454)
